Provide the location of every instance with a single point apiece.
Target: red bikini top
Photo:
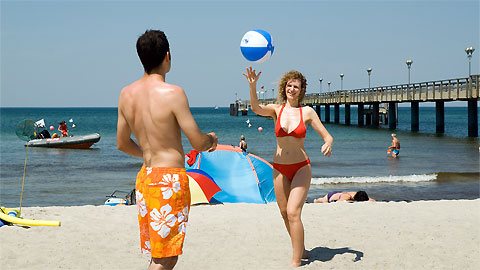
(299, 132)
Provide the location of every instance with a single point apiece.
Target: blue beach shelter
(242, 177)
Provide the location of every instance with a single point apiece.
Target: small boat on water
(71, 142)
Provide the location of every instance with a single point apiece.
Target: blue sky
(81, 53)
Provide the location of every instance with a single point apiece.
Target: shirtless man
(156, 112)
(395, 147)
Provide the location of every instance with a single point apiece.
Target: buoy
(257, 46)
(51, 127)
(260, 129)
(71, 120)
(13, 213)
(73, 125)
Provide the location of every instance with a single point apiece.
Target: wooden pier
(460, 89)
(239, 106)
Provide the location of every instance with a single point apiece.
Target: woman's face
(292, 89)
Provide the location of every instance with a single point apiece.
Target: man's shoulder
(175, 89)
(129, 88)
(161, 88)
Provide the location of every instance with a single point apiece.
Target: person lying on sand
(338, 196)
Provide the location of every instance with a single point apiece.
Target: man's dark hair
(361, 196)
(152, 47)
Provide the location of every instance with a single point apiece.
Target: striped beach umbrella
(242, 177)
(202, 186)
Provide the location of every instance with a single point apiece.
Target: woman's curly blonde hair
(292, 74)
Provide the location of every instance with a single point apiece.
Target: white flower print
(147, 248)
(162, 221)
(141, 205)
(182, 219)
(149, 170)
(170, 184)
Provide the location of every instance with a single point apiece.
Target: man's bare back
(155, 112)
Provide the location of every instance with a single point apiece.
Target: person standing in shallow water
(292, 170)
(395, 147)
(243, 144)
(156, 112)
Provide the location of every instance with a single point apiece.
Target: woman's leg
(282, 191)
(298, 193)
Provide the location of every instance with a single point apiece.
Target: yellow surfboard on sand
(23, 221)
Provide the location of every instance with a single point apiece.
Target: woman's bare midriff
(290, 150)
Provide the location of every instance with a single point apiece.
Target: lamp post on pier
(273, 93)
(369, 70)
(320, 80)
(341, 81)
(329, 82)
(472, 103)
(469, 51)
(409, 65)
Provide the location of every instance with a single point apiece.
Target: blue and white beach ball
(257, 46)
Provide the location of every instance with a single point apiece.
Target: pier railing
(447, 90)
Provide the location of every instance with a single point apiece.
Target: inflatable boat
(72, 142)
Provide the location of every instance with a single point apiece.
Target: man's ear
(168, 55)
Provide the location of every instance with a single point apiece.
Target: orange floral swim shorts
(163, 201)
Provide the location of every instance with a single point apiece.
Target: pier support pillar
(318, 109)
(234, 109)
(472, 118)
(337, 113)
(440, 116)
(414, 116)
(347, 114)
(327, 113)
(375, 114)
(368, 119)
(360, 114)
(392, 115)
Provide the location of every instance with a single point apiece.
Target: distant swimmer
(394, 149)
(339, 196)
(243, 144)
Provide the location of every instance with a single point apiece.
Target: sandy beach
(373, 235)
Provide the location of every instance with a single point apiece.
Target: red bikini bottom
(289, 170)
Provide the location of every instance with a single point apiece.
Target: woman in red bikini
(292, 170)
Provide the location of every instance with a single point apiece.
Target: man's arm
(199, 140)
(124, 142)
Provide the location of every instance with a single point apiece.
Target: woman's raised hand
(251, 76)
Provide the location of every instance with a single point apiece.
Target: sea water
(429, 167)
